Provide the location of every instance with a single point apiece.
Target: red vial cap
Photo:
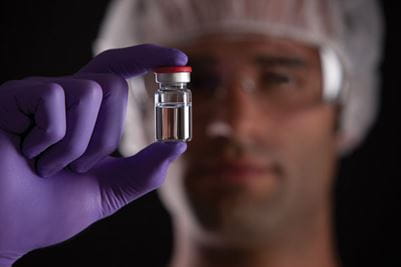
(173, 69)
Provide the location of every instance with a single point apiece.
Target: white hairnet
(352, 28)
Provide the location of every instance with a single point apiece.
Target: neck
(309, 245)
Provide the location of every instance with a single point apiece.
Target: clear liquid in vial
(173, 122)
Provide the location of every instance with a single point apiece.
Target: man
(269, 122)
(281, 90)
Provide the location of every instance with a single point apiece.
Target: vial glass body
(173, 112)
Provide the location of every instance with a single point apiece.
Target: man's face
(263, 150)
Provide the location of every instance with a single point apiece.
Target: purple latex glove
(64, 129)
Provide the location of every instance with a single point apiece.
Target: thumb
(125, 179)
(135, 60)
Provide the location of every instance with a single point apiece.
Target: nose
(237, 113)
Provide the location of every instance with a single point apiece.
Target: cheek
(308, 141)
(311, 126)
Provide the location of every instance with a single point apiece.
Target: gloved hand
(64, 129)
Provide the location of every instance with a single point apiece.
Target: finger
(125, 179)
(14, 118)
(83, 100)
(134, 60)
(40, 106)
(109, 124)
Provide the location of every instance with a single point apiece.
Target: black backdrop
(55, 38)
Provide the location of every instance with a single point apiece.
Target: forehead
(231, 48)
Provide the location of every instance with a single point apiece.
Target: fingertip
(179, 57)
(44, 173)
(179, 147)
(46, 170)
(172, 56)
(170, 150)
(79, 168)
(29, 152)
(83, 165)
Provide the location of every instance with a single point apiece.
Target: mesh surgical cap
(353, 29)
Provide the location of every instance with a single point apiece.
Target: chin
(238, 235)
(240, 221)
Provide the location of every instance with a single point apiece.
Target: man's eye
(276, 79)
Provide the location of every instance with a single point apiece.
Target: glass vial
(173, 104)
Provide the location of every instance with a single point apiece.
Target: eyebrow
(270, 60)
(261, 60)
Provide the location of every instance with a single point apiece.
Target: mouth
(242, 171)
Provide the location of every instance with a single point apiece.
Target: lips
(242, 171)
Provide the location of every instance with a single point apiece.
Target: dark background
(55, 38)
